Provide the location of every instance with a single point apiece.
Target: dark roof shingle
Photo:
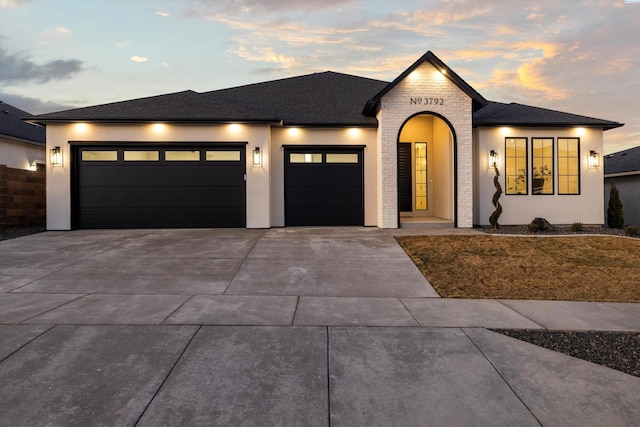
(12, 127)
(513, 114)
(622, 161)
(320, 99)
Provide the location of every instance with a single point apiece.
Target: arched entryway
(426, 170)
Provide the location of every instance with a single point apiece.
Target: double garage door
(165, 186)
(204, 186)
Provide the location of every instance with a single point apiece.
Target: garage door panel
(123, 176)
(338, 196)
(324, 216)
(136, 197)
(330, 177)
(151, 218)
(158, 193)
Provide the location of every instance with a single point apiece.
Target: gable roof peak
(372, 106)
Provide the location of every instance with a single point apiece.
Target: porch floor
(430, 222)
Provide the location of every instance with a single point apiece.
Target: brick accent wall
(22, 197)
(426, 81)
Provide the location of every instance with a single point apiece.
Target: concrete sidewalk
(279, 327)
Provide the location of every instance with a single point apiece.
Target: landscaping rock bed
(616, 350)
(13, 232)
(558, 230)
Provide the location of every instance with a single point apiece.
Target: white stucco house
(322, 149)
(22, 145)
(623, 168)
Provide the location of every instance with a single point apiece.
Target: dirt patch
(572, 268)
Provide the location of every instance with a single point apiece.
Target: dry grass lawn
(576, 268)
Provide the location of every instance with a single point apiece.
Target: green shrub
(576, 226)
(632, 231)
(532, 227)
(615, 215)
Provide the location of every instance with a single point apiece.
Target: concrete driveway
(296, 326)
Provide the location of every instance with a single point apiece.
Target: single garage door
(166, 186)
(324, 186)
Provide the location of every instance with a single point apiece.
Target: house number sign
(426, 101)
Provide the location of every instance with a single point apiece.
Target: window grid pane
(516, 165)
(342, 158)
(223, 156)
(568, 166)
(182, 156)
(542, 161)
(99, 156)
(305, 158)
(421, 176)
(141, 156)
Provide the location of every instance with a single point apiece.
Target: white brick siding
(396, 107)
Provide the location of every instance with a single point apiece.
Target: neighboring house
(623, 167)
(22, 145)
(322, 149)
(22, 169)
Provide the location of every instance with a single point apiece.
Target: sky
(578, 56)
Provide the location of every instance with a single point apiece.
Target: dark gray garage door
(324, 186)
(167, 186)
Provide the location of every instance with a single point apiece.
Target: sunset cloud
(16, 68)
(54, 35)
(265, 55)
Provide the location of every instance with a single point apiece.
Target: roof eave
(603, 126)
(330, 125)
(619, 174)
(22, 140)
(190, 120)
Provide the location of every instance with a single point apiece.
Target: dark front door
(405, 185)
(163, 186)
(324, 186)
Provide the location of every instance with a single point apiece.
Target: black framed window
(568, 165)
(542, 166)
(515, 159)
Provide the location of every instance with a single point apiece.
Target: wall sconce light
(257, 157)
(594, 159)
(55, 156)
(493, 159)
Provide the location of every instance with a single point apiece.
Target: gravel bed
(616, 350)
(13, 232)
(560, 231)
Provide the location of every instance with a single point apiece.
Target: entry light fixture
(594, 159)
(493, 159)
(56, 156)
(257, 157)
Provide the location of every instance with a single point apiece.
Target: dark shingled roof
(12, 127)
(499, 114)
(180, 106)
(321, 99)
(327, 98)
(622, 161)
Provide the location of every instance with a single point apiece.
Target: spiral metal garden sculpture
(493, 219)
